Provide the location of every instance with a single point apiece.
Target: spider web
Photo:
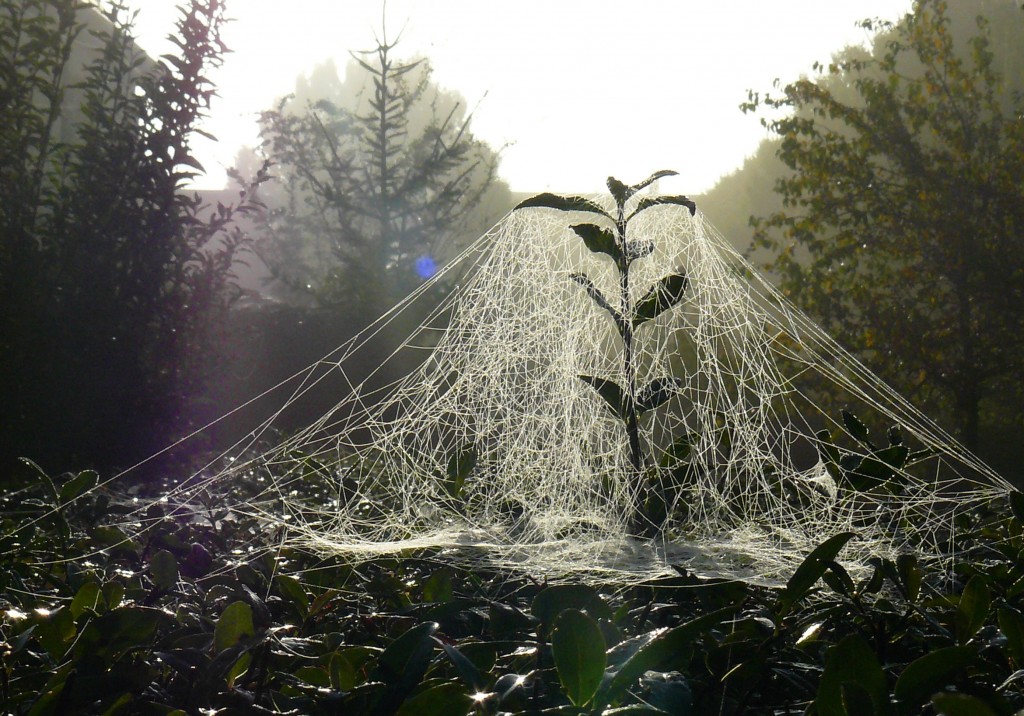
(742, 471)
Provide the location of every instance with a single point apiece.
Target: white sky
(578, 89)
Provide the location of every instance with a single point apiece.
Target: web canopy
(495, 448)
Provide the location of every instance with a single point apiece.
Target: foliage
(182, 611)
(630, 401)
(902, 214)
(111, 276)
(379, 178)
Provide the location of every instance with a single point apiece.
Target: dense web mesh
(747, 483)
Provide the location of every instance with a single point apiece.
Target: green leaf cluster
(180, 616)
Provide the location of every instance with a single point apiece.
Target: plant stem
(639, 524)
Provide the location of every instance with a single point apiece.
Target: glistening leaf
(659, 654)
(858, 431)
(578, 648)
(599, 241)
(405, 660)
(562, 203)
(676, 200)
(78, 485)
(612, 393)
(662, 296)
(810, 571)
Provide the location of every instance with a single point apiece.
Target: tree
(904, 211)
(379, 176)
(110, 275)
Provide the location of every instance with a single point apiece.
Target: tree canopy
(109, 275)
(379, 177)
(904, 209)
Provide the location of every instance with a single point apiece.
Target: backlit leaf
(235, 623)
(662, 296)
(578, 648)
(677, 200)
(599, 241)
(562, 203)
(611, 392)
(810, 571)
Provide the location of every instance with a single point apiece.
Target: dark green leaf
(657, 392)
(164, 568)
(662, 296)
(810, 571)
(562, 203)
(466, 668)
(235, 623)
(55, 631)
(1017, 505)
(972, 610)
(929, 673)
(578, 648)
(676, 200)
(858, 431)
(895, 456)
(460, 465)
(408, 655)
(679, 451)
(438, 587)
(290, 588)
(1011, 624)
(314, 675)
(119, 631)
(851, 661)
(910, 575)
(78, 486)
(552, 601)
(114, 539)
(89, 597)
(600, 241)
(442, 699)
(960, 705)
(506, 620)
(619, 191)
(660, 174)
(657, 654)
(343, 674)
(612, 393)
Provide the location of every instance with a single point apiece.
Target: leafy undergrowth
(212, 616)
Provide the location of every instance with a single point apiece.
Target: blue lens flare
(425, 267)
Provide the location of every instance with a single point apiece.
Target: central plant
(629, 400)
